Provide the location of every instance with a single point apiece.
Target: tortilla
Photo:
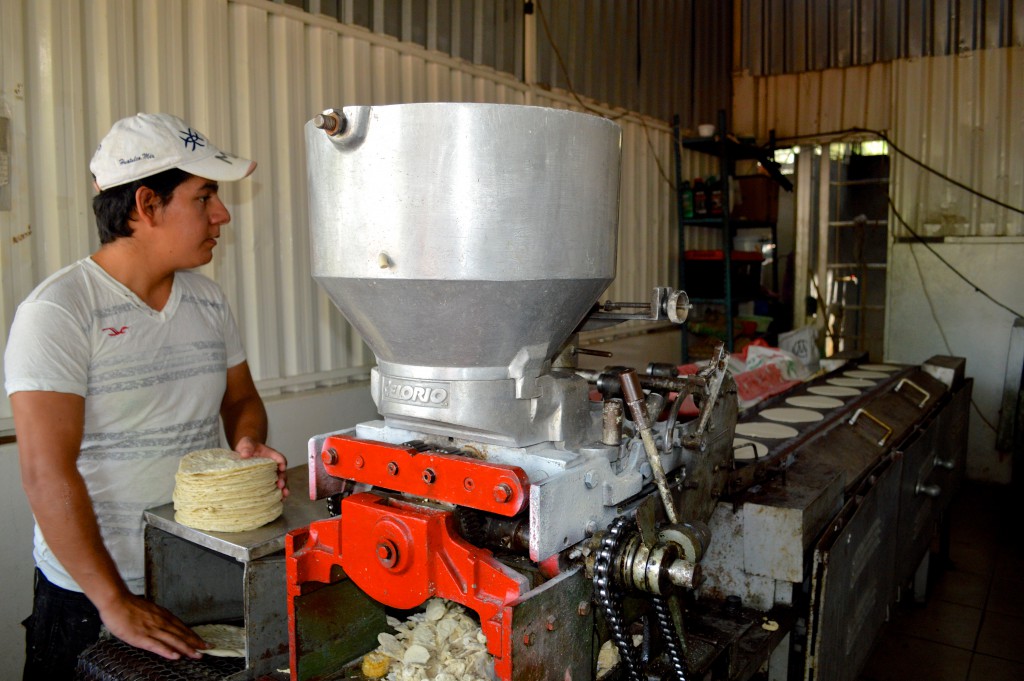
(879, 367)
(792, 415)
(217, 490)
(766, 430)
(748, 450)
(850, 382)
(862, 373)
(814, 402)
(833, 391)
(227, 640)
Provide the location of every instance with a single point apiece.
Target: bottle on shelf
(700, 198)
(687, 199)
(714, 192)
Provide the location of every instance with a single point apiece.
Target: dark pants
(62, 624)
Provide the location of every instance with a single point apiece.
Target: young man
(116, 367)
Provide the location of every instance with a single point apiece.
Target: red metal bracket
(401, 554)
(456, 479)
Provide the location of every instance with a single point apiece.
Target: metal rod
(611, 421)
(637, 407)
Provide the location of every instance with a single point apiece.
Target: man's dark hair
(114, 206)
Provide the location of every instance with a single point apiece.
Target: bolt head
(502, 493)
(392, 468)
(387, 553)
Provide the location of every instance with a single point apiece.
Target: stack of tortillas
(218, 491)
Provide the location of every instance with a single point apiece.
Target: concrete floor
(971, 626)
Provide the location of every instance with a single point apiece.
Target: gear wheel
(608, 596)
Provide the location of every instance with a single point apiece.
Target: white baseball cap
(147, 144)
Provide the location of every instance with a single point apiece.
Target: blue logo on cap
(192, 137)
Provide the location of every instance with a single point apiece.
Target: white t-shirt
(152, 382)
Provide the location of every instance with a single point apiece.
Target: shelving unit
(728, 150)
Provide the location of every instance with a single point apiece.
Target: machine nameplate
(419, 393)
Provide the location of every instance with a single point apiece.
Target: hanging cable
(568, 82)
(565, 69)
(878, 133)
(945, 177)
(942, 333)
(978, 289)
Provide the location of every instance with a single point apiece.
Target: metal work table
(299, 511)
(231, 577)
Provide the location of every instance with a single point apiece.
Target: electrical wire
(977, 289)
(878, 133)
(942, 333)
(565, 69)
(837, 133)
(572, 90)
(945, 177)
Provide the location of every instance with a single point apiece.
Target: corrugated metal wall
(661, 57)
(961, 116)
(958, 115)
(658, 57)
(250, 73)
(791, 36)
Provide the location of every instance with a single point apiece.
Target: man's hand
(247, 447)
(146, 625)
(245, 421)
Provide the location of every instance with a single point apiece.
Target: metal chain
(674, 643)
(608, 596)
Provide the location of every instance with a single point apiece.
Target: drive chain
(608, 596)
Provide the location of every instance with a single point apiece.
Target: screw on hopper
(330, 121)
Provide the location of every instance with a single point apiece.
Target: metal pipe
(611, 422)
(680, 383)
(637, 407)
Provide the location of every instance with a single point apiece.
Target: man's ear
(146, 205)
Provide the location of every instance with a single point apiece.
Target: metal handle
(634, 395)
(915, 386)
(865, 412)
(942, 463)
(932, 491)
(751, 445)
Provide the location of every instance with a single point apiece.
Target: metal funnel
(464, 241)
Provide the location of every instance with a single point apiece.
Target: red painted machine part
(401, 554)
(461, 480)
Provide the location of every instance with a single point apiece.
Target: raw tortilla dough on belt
(227, 640)
(792, 415)
(747, 450)
(879, 367)
(218, 491)
(834, 391)
(766, 429)
(814, 402)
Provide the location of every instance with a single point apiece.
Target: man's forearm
(247, 418)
